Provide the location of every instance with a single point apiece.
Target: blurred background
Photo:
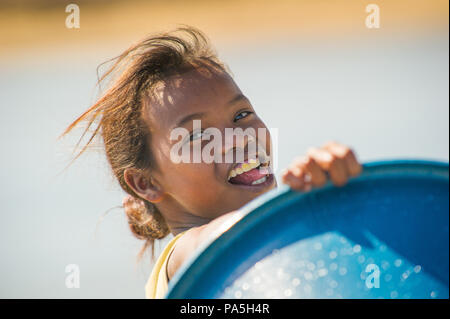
(312, 69)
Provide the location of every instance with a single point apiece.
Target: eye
(242, 115)
(195, 135)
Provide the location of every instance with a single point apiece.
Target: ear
(143, 185)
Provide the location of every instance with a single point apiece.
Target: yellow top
(156, 287)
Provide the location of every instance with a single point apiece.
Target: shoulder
(183, 249)
(191, 240)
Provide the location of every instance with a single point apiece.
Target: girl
(166, 82)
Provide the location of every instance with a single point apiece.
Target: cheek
(264, 139)
(195, 187)
(190, 181)
(184, 179)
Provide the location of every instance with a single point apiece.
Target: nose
(238, 143)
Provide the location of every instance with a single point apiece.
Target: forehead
(195, 91)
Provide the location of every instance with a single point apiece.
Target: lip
(258, 187)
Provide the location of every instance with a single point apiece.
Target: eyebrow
(195, 116)
(237, 98)
(190, 117)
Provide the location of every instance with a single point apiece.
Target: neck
(177, 218)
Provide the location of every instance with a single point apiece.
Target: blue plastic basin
(383, 235)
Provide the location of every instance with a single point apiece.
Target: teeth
(259, 181)
(245, 167)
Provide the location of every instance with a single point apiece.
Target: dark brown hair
(117, 115)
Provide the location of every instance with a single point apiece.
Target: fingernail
(307, 178)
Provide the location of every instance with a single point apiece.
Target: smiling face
(203, 189)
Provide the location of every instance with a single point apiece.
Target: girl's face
(205, 189)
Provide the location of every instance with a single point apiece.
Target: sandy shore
(26, 27)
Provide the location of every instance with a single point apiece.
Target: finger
(300, 172)
(318, 175)
(335, 166)
(297, 179)
(354, 168)
(290, 179)
(313, 174)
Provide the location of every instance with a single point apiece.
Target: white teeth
(259, 181)
(245, 167)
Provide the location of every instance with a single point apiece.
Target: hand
(333, 159)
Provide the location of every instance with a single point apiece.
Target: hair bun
(145, 220)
